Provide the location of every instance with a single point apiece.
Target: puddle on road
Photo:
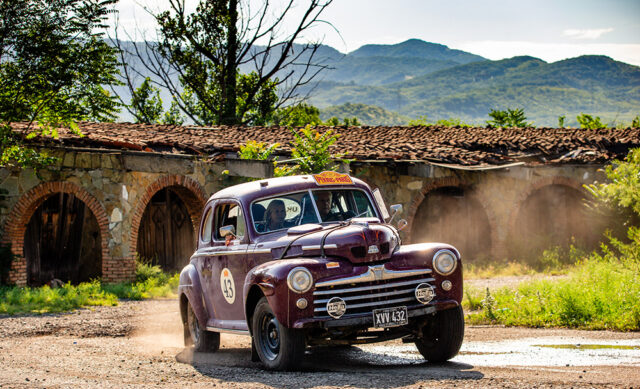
(524, 352)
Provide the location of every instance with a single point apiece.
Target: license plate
(390, 317)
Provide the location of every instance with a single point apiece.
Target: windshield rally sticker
(332, 178)
(227, 285)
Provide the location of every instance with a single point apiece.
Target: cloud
(586, 34)
(551, 52)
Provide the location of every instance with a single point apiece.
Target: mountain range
(394, 83)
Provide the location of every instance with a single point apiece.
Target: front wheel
(442, 336)
(201, 339)
(278, 347)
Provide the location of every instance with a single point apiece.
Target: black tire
(442, 336)
(200, 339)
(278, 347)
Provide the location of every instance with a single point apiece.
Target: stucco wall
(117, 186)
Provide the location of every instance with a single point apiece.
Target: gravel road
(139, 344)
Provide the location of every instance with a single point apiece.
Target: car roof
(249, 191)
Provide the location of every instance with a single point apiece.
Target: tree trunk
(230, 98)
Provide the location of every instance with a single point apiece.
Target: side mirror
(396, 209)
(402, 224)
(227, 230)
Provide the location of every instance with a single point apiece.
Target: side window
(229, 214)
(205, 233)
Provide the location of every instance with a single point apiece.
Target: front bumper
(366, 319)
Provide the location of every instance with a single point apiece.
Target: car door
(229, 265)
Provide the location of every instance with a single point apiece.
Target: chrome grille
(363, 297)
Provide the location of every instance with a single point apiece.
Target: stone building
(124, 190)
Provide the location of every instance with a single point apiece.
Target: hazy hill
(592, 84)
(416, 48)
(415, 78)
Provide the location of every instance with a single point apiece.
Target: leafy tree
(297, 115)
(623, 190)
(173, 115)
(508, 118)
(335, 122)
(590, 122)
(207, 48)
(635, 122)
(453, 122)
(53, 65)
(146, 105)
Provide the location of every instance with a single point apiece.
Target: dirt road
(139, 344)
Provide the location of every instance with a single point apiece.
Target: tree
(207, 48)
(590, 122)
(297, 115)
(53, 65)
(508, 118)
(146, 104)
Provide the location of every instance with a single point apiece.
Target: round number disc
(227, 285)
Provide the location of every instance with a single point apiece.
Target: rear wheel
(278, 347)
(442, 336)
(194, 335)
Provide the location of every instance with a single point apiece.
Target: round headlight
(444, 262)
(299, 280)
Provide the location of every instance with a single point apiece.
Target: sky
(495, 29)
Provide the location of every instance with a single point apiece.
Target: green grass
(45, 299)
(600, 292)
(151, 282)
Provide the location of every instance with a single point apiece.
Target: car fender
(271, 278)
(190, 287)
(421, 255)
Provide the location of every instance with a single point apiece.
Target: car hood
(363, 240)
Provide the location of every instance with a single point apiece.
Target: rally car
(302, 261)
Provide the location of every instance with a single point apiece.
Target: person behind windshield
(324, 203)
(274, 216)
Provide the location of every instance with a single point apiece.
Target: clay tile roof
(449, 145)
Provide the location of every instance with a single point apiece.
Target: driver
(324, 202)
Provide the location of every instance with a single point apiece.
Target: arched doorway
(553, 215)
(451, 215)
(166, 234)
(62, 241)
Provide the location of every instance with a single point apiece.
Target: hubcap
(269, 336)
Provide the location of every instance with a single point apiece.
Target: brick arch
(441, 183)
(21, 213)
(539, 184)
(189, 191)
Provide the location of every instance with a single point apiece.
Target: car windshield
(318, 206)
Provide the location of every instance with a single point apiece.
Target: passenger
(274, 216)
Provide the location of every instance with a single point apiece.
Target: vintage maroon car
(312, 260)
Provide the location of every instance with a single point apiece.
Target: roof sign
(332, 178)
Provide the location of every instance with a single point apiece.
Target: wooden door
(166, 233)
(62, 241)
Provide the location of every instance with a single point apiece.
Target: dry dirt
(139, 344)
